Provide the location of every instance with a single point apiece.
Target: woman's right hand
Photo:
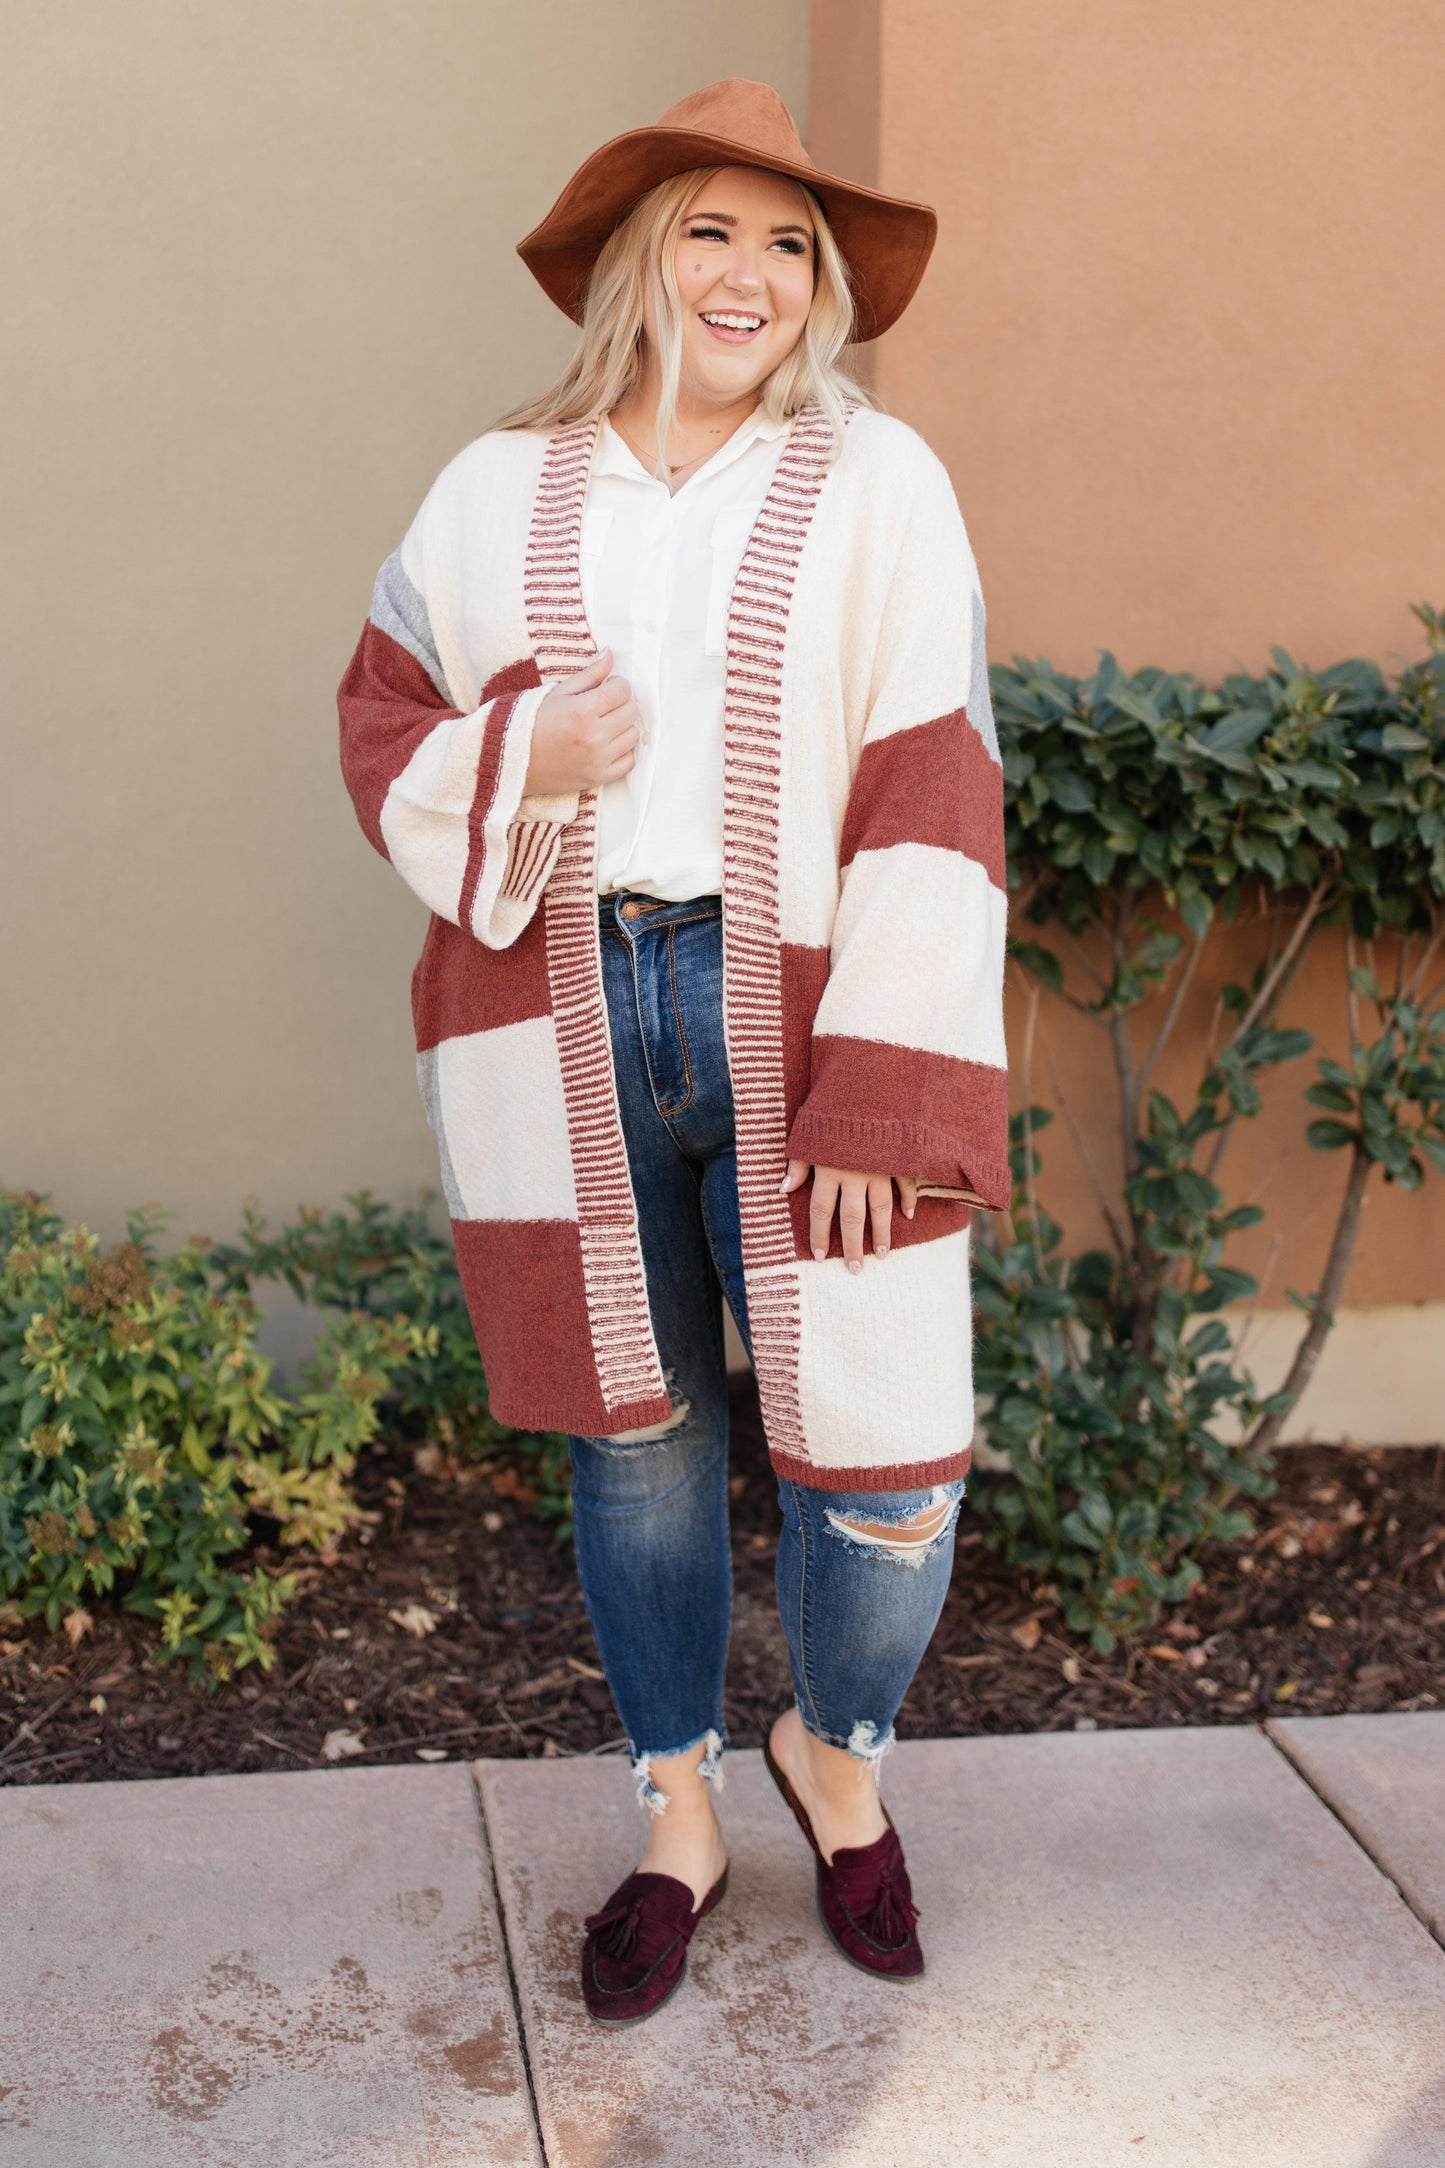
(586, 734)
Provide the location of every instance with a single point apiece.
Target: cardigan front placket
(619, 1321)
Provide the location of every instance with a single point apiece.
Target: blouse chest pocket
(595, 524)
(730, 531)
(594, 531)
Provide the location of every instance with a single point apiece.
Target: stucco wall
(259, 285)
(1180, 345)
(1181, 340)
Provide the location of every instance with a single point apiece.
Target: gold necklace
(671, 472)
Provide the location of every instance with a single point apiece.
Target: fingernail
(855, 1264)
(880, 1249)
(783, 1187)
(820, 1255)
(909, 1211)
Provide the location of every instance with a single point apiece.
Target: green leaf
(1234, 732)
(1136, 705)
(1097, 860)
(1041, 961)
(1225, 1284)
(1195, 910)
(1331, 1097)
(1330, 1136)
(1069, 789)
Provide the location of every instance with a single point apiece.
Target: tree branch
(1128, 1077)
(1082, 957)
(1176, 1002)
(1084, 1008)
(1271, 987)
(1274, 979)
(1326, 1302)
(1428, 955)
(1116, 1233)
(1027, 1081)
(1024, 895)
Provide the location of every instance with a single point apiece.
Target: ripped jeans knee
(907, 1533)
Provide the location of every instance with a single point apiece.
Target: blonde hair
(635, 264)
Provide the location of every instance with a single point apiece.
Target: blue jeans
(651, 1507)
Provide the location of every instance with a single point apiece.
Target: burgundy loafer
(635, 1955)
(865, 1900)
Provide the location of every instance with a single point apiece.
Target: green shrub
(376, 1261)
(1142, 811)
(140, 1430)
(1118, 1473)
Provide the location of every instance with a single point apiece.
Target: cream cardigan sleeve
(438, 778)
(907, 1072)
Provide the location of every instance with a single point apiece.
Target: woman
(672, 706)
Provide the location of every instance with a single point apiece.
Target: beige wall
(259, 285)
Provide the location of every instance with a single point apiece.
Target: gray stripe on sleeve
(399, 610)
(429, 1085)
(980, 699)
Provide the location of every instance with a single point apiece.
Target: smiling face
(744, 267)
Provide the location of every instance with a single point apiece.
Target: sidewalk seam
(1357, 1836)
(501, 1909)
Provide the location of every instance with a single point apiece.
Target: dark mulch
(1338, 1603)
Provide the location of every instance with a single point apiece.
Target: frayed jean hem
(864, 1742)
(710, 1768)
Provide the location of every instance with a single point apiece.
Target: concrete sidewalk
(1186, 1946)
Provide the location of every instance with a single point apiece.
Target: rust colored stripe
(517, 677)
(489, 769)
(753, 972)
(527, 1296)
(387, 705)
(908, 1475)
(934, 783)
(805, 974)
(618, 1319)
(531, 848)
(955, 1130)
(459, 986)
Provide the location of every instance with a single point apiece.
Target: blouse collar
(615, 456)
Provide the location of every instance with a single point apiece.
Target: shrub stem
(1326, 1302)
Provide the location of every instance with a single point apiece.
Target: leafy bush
(141, 1430)
(1118, 1473)
(378, 1262)
(1142, 811)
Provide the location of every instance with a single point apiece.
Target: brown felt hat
(885, 241)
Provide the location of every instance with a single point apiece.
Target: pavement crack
(1358, 1835)
(486, 1837)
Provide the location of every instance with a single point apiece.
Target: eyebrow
(725, 218)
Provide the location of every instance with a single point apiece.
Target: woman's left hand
(860, 1200)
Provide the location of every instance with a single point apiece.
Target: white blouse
(657, 578)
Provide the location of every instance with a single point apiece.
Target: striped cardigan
(863, 930)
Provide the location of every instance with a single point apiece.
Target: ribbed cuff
(873, 1144)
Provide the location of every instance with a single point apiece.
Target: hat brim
(885, 241)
